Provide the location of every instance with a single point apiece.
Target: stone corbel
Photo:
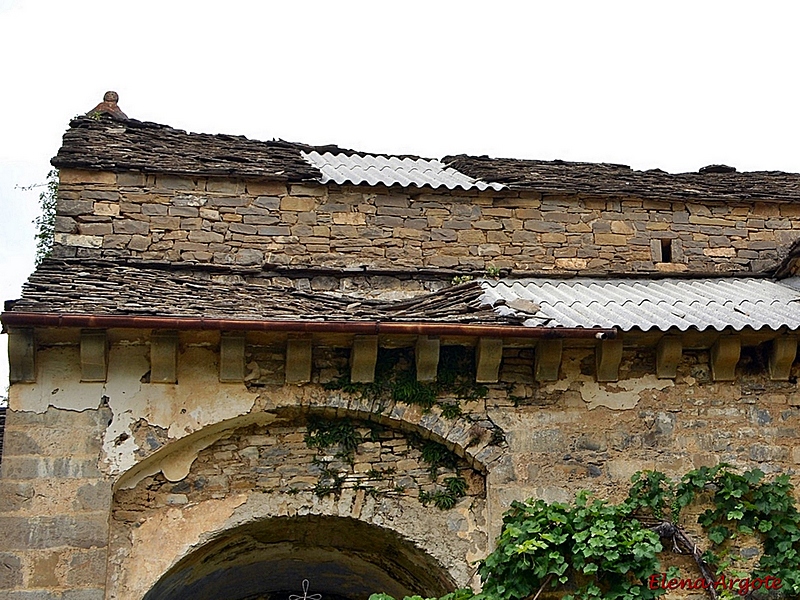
(488, 356)
(782, 353)
(426, 355)
(608, 356)
(164, 357)
(21, 355)
(298, 360)
(724, 356)
(668, 355)
(363, 358)
(547, 359)
(231, 356)
(94, 355)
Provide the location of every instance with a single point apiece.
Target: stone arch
(146, 514)
(344, 558)
(474, 440)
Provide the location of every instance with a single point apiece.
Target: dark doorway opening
(343, 559)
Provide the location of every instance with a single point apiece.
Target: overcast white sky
(675, 85)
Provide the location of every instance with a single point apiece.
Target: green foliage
(446, 498)
(46, 222)
(396, 379)
(435, 455)
(746, 504)
(323, 434)
(594, 549)
(459, 279)
(595, 543)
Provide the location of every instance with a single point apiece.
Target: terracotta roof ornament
(108, 107)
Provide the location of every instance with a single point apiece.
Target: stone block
(66, 225)
(247, 257)
(668, 356)
(14, 495)
(307, 190)
(205, 237)
(363, 358)
(291, 203)
(298, 360)
(724, 357)
(78, 241)
(78, 176)
(265, 188)
(10, 571)
(608, 355)
(164, 356)
(610, 239)
(426, 355)
(82, 531)
(72, 208)
(129, 226)
(173, 182)
(21, 355)
(231, 357)
(94, 355)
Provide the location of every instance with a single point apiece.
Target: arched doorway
(343, 558)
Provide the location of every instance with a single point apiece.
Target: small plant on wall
(396, 380)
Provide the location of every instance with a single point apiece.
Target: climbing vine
(592, 548)
(45, 222)
(344, 436)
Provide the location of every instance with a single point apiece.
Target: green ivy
(593, 549)
(46, 222)
(396, 380)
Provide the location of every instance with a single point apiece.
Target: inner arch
(343, 559)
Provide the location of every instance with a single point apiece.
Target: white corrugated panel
(392, 170)
(703, 303)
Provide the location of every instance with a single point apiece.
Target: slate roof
(659, 304)
(106, 288)
(602, 179)
(128, 144)
(131, 145)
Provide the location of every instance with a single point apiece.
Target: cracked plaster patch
(619, 395)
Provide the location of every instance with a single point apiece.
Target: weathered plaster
(181, 408)
(624, 394)
(162, 539)
(58, 384)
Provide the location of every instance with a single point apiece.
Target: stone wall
(251, 223)
(224, 446)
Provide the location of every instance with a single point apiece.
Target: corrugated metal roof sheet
(650, 304)
(391, 170)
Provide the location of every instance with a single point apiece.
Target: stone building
(252, 363)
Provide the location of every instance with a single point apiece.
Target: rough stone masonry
(158, 447)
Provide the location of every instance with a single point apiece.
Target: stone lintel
(782, 353)
(94, 355)
(231, 356)
(668, 355)
(488, 356)
(363, 358)
(21, 355)
(547, 359)
(724, 356)
(426, 355)
(164, 356)
(298, 360)
(608, 355)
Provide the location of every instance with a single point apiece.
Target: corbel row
(724, 356)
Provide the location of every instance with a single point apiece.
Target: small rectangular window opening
(666, 250)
